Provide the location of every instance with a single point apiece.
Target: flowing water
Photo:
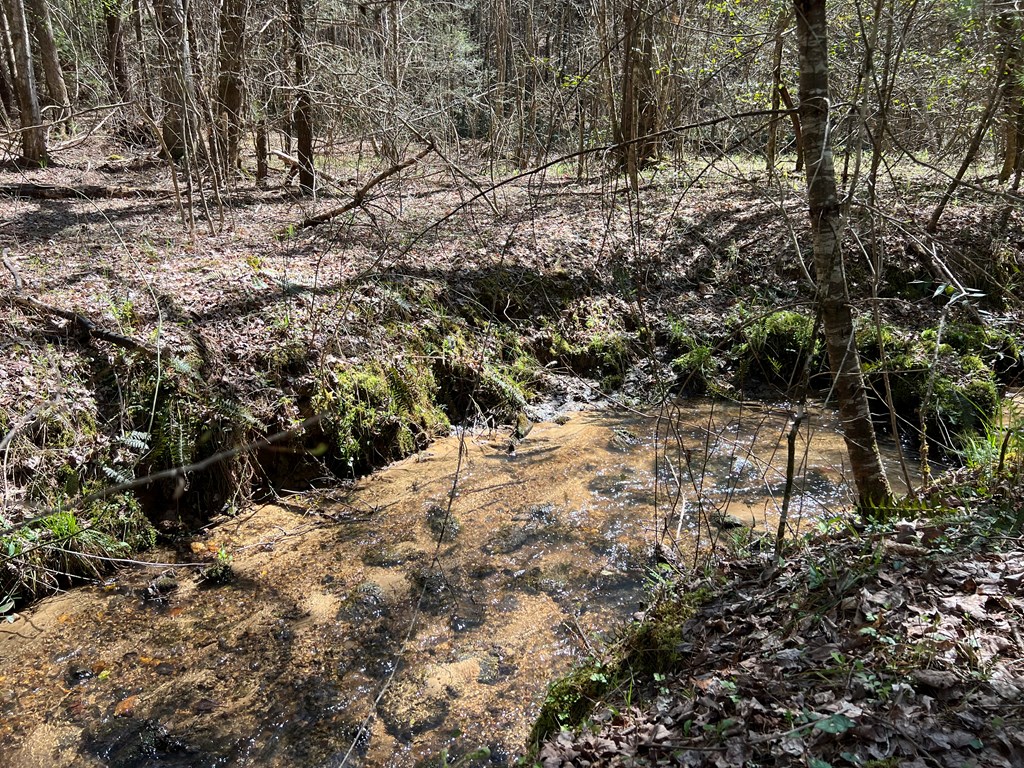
(423, 610)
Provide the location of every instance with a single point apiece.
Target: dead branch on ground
(360, 194)
(83, 326)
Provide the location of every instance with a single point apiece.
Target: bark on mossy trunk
(826, 226)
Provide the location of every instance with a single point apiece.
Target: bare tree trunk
(230, 88)
(33, 132)
(773, 127)
(9, 67)
(303, 115)
(639, 106)
(628, 119)
(144, 69)
(42, 27)
(826, 227)
(1010, 28)
(261, 151)
(176, 76)
(116, 65)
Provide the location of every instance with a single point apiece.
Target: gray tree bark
(303, 115)
(230, 88)
(872, 486)
(33, 132)
(176, 75)
(42, 27)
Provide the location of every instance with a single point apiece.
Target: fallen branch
(83, 326)
(360, 194)
(85, 191)
(293, 163)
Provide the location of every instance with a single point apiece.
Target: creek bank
(446, 362)
(893, 645)
(486, 326)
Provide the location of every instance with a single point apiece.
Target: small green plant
(219, 571)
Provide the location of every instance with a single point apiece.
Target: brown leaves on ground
(857, 652)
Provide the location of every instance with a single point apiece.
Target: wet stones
(532, 523)
(444, 526)
(385, 555)
(468, 614)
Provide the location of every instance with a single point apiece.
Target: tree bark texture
(33, 133)
(826, 228)
(42, 28)
(303, 115)
(230, 89)
(1010, 27)
(117, 67)
(176, 71)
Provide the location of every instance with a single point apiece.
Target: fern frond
(119, 476)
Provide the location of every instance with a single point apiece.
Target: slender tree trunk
(230, 90)
(33, 132)
(10, 68)
(628, 119)
(303, 114)
(261, 151)
(826, 227)
(42, 26)
(773, 128)
(1010, 28)
(116, 64)
(177, 76)
(144, 68)
(6, 75)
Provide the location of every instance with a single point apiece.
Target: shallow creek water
(341, 595)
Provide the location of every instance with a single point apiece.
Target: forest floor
(499, 305)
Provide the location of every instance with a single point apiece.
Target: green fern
(234, 411)
(183, 366)
(119, 476)
(135, 439)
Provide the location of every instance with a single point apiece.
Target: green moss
(571, 698)
(122, 518)
(645, 648)
(774, 347)
(698, 371)
(968, 402)
(376, 413)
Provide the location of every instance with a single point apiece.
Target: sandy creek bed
(284, 665)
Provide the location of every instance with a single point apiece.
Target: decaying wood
(82, 325)
(360, 194)
(84, 191)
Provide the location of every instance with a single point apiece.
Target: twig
(360, 194)
(18, 282)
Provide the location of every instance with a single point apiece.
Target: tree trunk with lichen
(827, 226)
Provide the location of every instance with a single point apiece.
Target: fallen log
(83, 191)
(82, 325)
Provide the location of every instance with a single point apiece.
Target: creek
(421, 611)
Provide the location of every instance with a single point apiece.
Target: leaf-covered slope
(896, 648)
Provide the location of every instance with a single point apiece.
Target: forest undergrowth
(141, 347)
(159, 374)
